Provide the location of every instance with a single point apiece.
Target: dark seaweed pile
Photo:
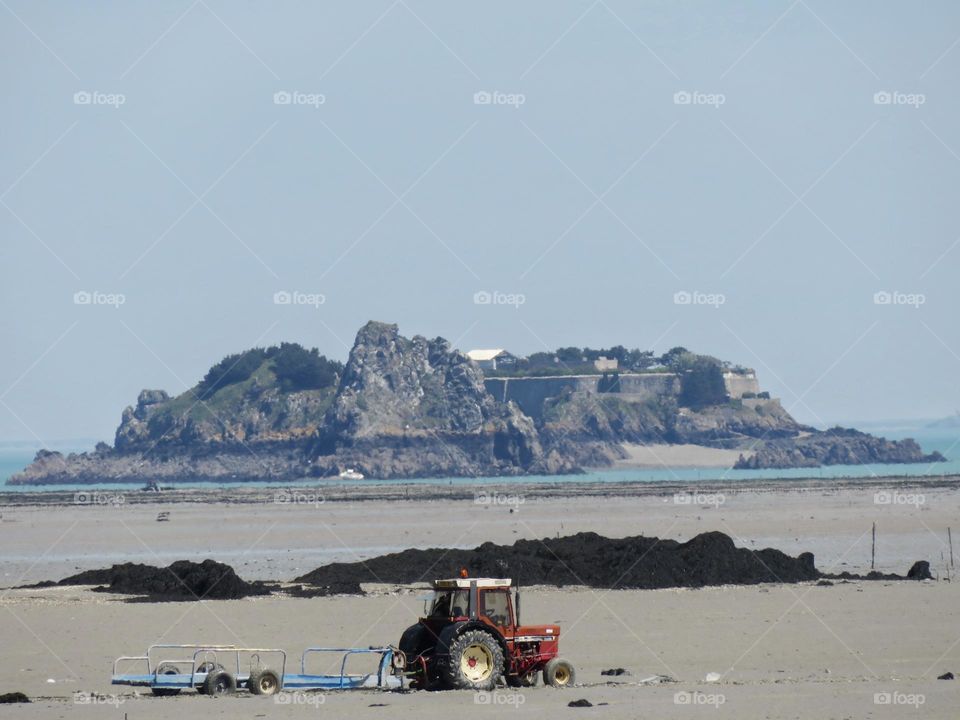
(183, 580)
(585, 559)
(589, 559)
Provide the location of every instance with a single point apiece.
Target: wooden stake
(873, 547)
(950, 540)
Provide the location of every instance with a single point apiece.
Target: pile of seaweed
(596, 561)
(183, 580)
(585, 559)
(589, 559)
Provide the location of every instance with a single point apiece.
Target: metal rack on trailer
(208, 675)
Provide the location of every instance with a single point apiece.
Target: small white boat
(350, 474)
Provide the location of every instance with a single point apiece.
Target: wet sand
(783, 651)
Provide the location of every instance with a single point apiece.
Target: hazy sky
(781, 163)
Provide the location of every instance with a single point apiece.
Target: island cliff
(412, 407)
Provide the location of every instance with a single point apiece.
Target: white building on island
(493, 358)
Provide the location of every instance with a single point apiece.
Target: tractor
(471, 638)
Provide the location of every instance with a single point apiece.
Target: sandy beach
(782, 651)
(678, 456)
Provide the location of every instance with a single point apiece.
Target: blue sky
(772, 183)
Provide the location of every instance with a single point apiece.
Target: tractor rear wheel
(559, 673)
(474, 661)
(264, 682)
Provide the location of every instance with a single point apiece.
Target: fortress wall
(648, 385)
(737, 385)
(530, 393)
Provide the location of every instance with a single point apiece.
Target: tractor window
(450, 603)
(495, 605)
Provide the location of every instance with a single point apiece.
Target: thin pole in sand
(873, 547)
(950, 541)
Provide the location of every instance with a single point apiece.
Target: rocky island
(412, 407)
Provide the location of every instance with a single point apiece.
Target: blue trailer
(222, 669)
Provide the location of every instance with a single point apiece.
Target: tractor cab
(484, 599)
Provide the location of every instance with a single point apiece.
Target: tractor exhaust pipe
(516, 602)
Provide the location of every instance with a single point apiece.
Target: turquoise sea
(15, 456)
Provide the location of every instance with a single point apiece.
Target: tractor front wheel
(474, 662)
(559, 673)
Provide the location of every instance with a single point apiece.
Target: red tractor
(472, 637)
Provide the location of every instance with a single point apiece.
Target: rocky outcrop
(836, 446)
(400, 408)
(417, 407)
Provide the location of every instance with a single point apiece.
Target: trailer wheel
(474, 662)
(167, 692)
(264, 682)
(209, 668)
(219, 682)
(559, 673)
